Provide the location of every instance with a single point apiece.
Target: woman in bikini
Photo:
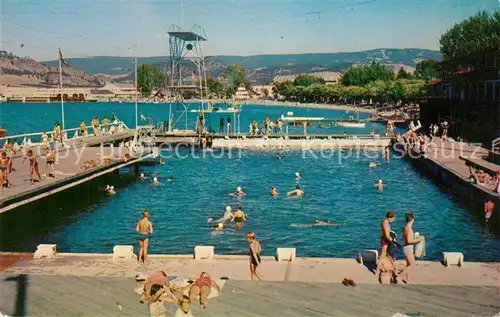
(4, 170)
(33, 166)
(255, 249)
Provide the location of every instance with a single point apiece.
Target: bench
(123, 252)
(204, 252)
(45, 251)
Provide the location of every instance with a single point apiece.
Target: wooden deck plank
(91, 296)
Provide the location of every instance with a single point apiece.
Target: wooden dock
(41, 295)
(69, 168)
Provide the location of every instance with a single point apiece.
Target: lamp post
(135, 83)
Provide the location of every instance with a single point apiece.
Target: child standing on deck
(255, 249)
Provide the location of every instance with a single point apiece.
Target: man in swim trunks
(145, 229)
(385, 237)
(4, 169)
(296, 192)
(33, 166)
(489, 206)
(379, 185)
(408, 249)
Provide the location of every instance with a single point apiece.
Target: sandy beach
(299, 105)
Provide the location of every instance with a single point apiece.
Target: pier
(80, 160)
(449, 163)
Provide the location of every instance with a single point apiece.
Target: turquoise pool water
(85, 219)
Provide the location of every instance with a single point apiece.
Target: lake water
(85, 219)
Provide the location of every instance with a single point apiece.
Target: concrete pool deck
(310, 270)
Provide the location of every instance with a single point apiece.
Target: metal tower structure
(186, 50)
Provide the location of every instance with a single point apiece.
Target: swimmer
(278, 156)
(219, 227)
(273, 191)
(296, 192)
(170, 179)
(239, 192)
(297, 176)
(373, 165)
(323, 223)
(156, 181)
(379, 185)
(142, 176)
(239, 216)
(228, 214)
(162, 161)
(110, 190)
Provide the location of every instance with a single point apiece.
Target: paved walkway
(41, 295)
(311, 270)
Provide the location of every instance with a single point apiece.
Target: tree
(364, 74)
(215, 87)
(265, 91)
(149, 78)
(308, 80)
(428, 69)
(403, 74)
(478, 34)
(236, 76)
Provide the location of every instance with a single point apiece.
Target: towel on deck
(420, 248)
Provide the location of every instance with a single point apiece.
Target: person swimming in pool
(170, 179)
(239, 216)
(373, 165)
(379, 185)
(145, 229)
(110, 190)
(156, 181)
(142, 176)
(218, 227)
(273, 191)
(323, 223)
(33, 166)
(296, 192)
(239, 192)
(228, 215)
(297, 176)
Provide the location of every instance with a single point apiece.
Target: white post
(62, 97)
(136, 90)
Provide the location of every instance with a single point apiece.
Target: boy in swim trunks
(51, 161)
(33, 166)
(145, 229)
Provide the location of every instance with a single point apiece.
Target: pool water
(86, 220)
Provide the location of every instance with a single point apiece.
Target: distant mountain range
(261, 69)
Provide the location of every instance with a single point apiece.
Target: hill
(323, 61)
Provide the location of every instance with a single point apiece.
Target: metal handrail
(495, 143)
(50, 133)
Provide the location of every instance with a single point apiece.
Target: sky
(84, 28)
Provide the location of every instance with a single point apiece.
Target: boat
(351, 124)
(2, 132)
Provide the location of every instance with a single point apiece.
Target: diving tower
(189, 73)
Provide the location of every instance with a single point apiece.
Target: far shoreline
(307, 105)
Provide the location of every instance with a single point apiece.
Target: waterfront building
(241, 94)
(467, 95)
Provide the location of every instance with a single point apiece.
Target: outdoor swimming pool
(85, 219)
